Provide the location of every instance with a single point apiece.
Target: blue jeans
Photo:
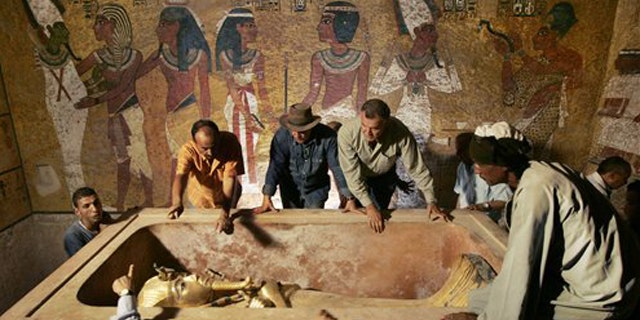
(292, 199)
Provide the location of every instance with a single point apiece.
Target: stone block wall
(30, 249)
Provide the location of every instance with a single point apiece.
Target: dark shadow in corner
(143, 250)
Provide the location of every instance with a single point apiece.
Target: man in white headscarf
(569, 256)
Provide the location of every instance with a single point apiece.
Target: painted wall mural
(247, 96)
(184, 58)
(113, 72)
(63, 87)
(4, 99)
(339, 67)
(8, 147)
(14, 203)
(140, 73)
(416, 72)
(539, 87)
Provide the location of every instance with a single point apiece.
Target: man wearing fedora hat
(302, 152)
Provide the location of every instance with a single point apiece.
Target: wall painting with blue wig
(120, 82)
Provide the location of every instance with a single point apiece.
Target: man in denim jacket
(302, 152)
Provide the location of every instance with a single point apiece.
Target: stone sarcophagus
(341, 263)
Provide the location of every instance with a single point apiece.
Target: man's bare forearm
(177, 189)
(228, 189)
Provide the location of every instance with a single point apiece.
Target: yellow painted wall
(472, 52)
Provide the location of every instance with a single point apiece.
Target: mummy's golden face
(181, 291)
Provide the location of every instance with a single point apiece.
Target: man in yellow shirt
(208, 169)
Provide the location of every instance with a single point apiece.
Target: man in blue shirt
(473, 192)
(302, 152)
(88, 208)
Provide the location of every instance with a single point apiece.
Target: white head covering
(501, 144)
(499, 130)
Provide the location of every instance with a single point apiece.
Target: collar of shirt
(314, 138)
(596, 180)
(388, 135)
(305, 150)
(199, 152)
(85, 227)
(213, 162)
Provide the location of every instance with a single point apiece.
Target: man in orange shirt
(208, 167)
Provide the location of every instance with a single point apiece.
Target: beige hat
(299, 118)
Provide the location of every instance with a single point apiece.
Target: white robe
(568, 255)
(69, 123)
